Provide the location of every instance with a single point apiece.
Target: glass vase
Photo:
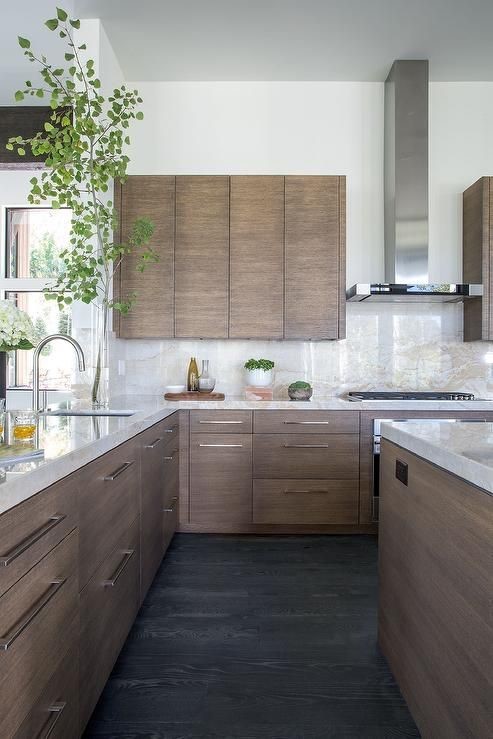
(100, 390)
(206, 382)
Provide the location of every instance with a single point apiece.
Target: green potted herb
(300, 390)
(259, 372)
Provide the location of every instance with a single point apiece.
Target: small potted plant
(259, 372)
(300, 390)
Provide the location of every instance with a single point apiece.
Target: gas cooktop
(412, 395)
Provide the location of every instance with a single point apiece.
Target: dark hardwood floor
(250, 637)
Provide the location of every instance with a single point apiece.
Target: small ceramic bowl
(174, 389)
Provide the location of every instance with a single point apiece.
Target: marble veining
(405, 346)
(464, 448)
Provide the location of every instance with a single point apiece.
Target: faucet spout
(37, 352)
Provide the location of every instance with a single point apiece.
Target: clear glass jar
(206, 382)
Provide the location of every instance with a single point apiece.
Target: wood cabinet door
(152, 315)
(315, 276)
(256, 257)
(202, 257)
(220, 478)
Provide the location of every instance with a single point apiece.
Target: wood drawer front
(107, 506)
(56, 713)
(108, 606)
(306, 422)
(221, 478)
(32, 529)
(171, 473)
(306, 456)
(158, 436)
(221, 422)
(305, 501)
(39, 621)
(171, 515)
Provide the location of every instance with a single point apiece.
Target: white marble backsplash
(405, 346)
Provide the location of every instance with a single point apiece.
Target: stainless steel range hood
(406, 196)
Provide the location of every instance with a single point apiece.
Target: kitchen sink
(88, 412)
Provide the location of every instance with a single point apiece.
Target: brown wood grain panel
(220, 478)
(184, 444)
(52, 511)
(62, 690)
(477, 242)
(305, 501)
(31, 660)
(106, 507)
(202, 257)
(435, 616)
(256, 257)
(221, 422)
(278, 529)
(306, 422)
(171, 516)
(106, 616)
(305, 456)
(314, 257)
(152, 315)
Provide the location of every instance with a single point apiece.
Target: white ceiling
(295, 39)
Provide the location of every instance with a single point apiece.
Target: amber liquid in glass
(25, 431)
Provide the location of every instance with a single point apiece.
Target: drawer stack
(305, 467)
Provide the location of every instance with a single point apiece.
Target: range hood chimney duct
(406, 195)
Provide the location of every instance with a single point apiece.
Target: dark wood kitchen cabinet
(152, 315)
(256, 257)
(477, 258)
(240, 257)
(202, 257)
(315, 267)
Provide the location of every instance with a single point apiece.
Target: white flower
(16, 328)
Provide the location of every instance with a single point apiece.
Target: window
(34, 239)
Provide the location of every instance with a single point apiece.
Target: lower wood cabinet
(305, 501)
(220, 479)
(39, 623)
(319, 456)
(108, 606)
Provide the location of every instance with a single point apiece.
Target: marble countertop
(70, 442)
(464, 448)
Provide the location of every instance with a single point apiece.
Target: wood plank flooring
(251, 637)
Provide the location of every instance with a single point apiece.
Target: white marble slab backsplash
(404, 346)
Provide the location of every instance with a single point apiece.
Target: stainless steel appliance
(411, 395)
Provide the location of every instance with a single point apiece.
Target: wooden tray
(193, 395)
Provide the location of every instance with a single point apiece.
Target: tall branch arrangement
(83, 145)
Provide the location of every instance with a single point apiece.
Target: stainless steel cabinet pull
(154, 443)
(169, 431)
(306, 491)
(306, 423)
(306, 446)
(228, 445)
(56, 711)
(32, 539)
(172, 506)
(7, 641)
(128, 554)
(170, 459)
(221, 422)
(118, 471)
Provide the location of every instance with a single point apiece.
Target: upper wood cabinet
(477, 256)
(240, 257)
(202, 257)
(152, 315)
(256, 257)
(315, 272)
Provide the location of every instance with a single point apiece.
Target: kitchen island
(436, 572)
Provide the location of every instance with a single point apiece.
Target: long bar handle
(306, 446)
(154, 443)
(306, 491)
(221, 445)
(128, 554)
(172, 506)
(170, 431)
(221, 422)
(306, 423)
(171, 458)
(56, 711)
(8, 640)
(118, 471)
(32, 539)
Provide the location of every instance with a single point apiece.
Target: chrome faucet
(37, 352)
